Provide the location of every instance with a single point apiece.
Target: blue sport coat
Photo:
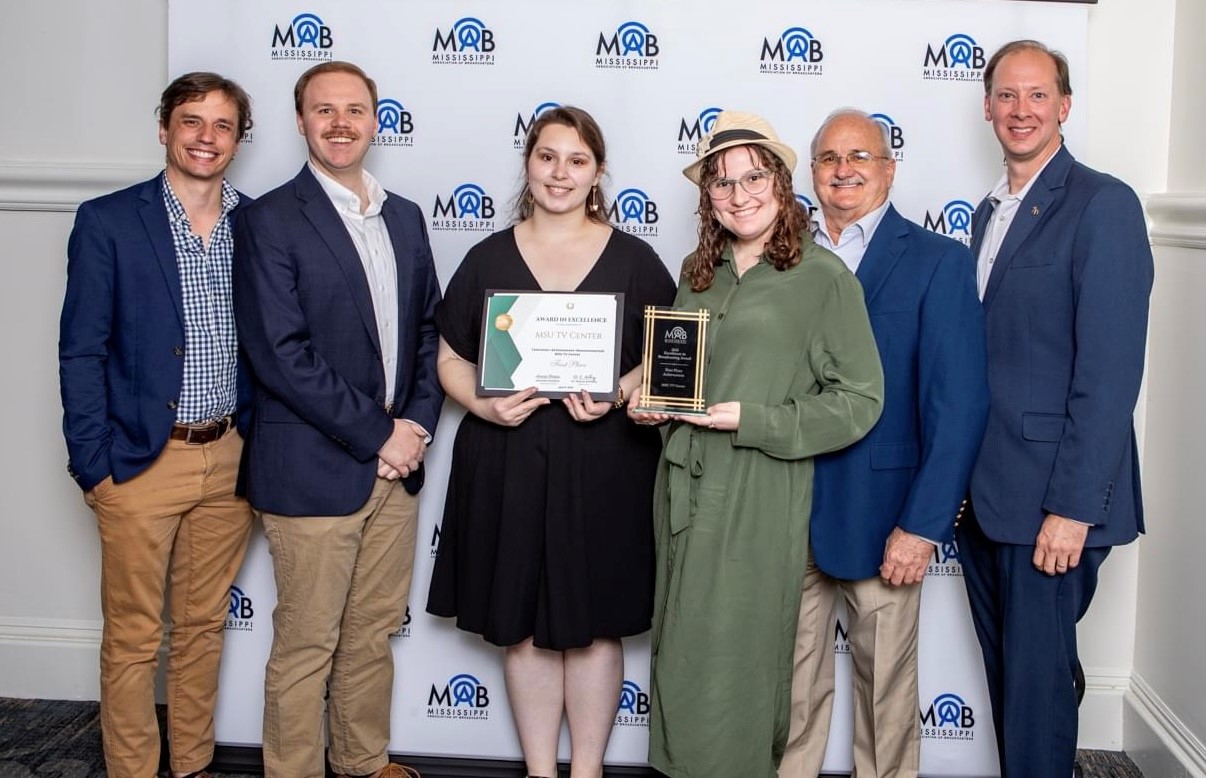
(1067, 305)
(121, 336)
(912, 469)
(308, 328)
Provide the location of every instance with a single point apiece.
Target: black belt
(203, 432)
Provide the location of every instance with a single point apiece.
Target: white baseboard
(50, 659)
(1156, 739)
(1101, 710)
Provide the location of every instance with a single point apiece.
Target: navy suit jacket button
(172, 404)
(178, 350)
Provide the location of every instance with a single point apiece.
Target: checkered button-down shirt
(210, 347)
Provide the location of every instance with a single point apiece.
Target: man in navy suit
(148, 368)
(881, 505)
(335, 295)
(1064, 269)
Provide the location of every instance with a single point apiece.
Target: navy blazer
(308, 328)
(121, 336)
(911, 470)
(1067, 304)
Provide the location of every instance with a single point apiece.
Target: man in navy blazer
(151, 387)
(881, 505)
(1064, 271)
(335, 295)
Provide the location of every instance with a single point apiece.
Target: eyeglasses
(853, 158)
(754, 182)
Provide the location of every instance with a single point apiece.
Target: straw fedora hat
(735, 128)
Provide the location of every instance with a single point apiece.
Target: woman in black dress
(546, 546)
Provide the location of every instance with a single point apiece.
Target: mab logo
(468, 42)
(948, 718)
(678, 334)
(631, 47)
(468, 208)
(841, 640)
(633, 212)
(403, 630)
(463, 697)
(394, 124)
(946, 552)
(946, 560)
(796, 51)
(522, 125)
(691, 131)
(958, 58)
(634, 706)
(809, 208)
(305, 38)
(895, 135)
(954, 221)
(240, 612)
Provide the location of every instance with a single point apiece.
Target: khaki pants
(176, 521)
(342, 584)
(882, 630)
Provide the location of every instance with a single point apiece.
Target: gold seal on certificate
(559, 342)
(672, 376)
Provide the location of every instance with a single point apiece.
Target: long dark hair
(588, 130)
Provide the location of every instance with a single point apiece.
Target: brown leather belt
(204, 432)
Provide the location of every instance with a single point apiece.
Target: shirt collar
(175, 208)
(864, 228)
(1001, 190)
(345, 200)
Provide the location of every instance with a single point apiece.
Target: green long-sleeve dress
(731, 509)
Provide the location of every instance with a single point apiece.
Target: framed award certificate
(559, 342)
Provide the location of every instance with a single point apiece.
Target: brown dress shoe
(392, 770)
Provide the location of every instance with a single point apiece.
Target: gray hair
(851, 113)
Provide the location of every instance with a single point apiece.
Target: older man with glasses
(882, 504)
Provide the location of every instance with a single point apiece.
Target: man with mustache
(335, 295)
(882, 504)
(152, 389)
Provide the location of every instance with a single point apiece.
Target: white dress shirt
(853, 242)
(1004, 208)
(371, 237)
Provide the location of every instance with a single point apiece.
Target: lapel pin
(1034, 211)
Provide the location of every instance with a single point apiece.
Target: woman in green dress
(792, 371)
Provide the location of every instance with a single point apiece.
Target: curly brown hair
(783, 246)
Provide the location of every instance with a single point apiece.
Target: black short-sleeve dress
(547, 528)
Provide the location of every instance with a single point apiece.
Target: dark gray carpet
(61, 739)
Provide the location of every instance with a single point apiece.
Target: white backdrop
(459, 82)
